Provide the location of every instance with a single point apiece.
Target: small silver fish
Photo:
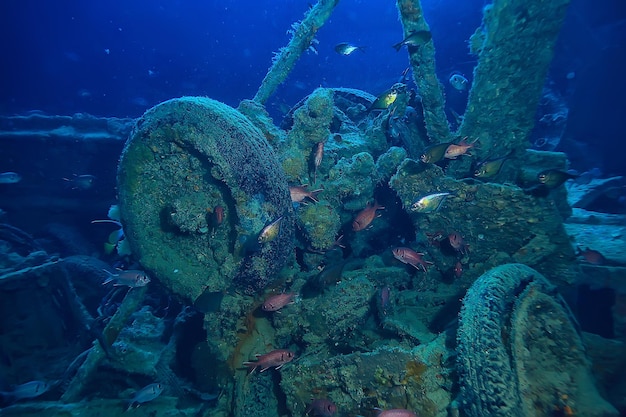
(458, 81)
(429, 203)
(10, 178)
(30, 389)
(270, 232)
(131, 278)
(345, 48)
(147, 393)
(81, 182)
(414, 40)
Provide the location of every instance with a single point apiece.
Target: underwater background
(118, 59)
(341, 208)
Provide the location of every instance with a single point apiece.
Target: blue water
(118, 58)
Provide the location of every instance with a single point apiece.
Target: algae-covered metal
(500, 223)
(520, 351)
(515, 46)
(184, 158)
(302, 39)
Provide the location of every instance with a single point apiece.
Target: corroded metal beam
(515, 46)
(422, 60)
(131, 302)
(303, 35)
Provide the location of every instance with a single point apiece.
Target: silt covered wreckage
(223, 209)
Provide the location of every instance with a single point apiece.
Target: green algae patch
(321, 223)
(311, 125)
(197, 183)
(375, 379)
(498, 222)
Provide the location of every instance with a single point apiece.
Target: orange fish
(410, 257)
(592, 256)
(458, 269)
(277, 301)
(317, 158)
(462, 148)
(274, 359)
(383, 300)
(458, 243)
(366, 216)
(299, 193)
(319, 154)
(218, 214)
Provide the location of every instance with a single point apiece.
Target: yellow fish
(270, 232)
(429, 203)
(434, 153)
(385, 100)
(552, 178)
(490, 167)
